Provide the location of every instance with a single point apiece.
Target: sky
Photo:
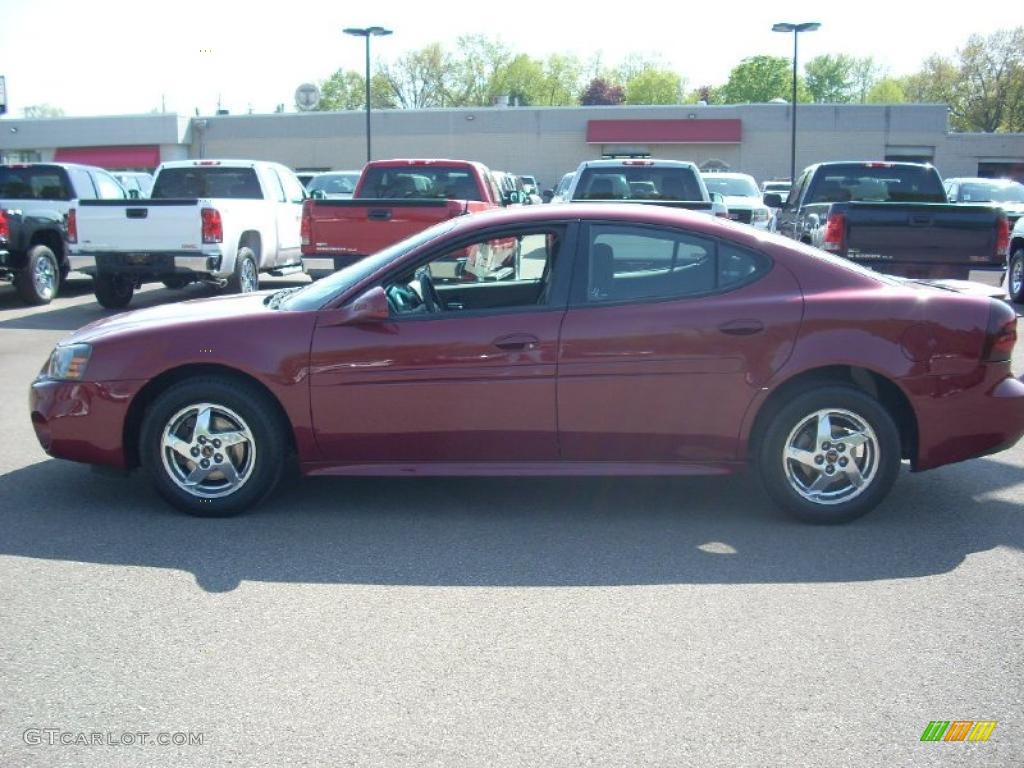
(101, 57)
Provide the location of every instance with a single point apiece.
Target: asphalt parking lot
(654, 622)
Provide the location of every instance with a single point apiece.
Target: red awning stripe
(111, 157)
(664, 131)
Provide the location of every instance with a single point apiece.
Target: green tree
(478, 66)
(423, 78)
(991, 82)
(560, 83)
(830, 79)
(888, 90)
(654, 86)
(347, 90)
(866, 73)
(758, 79)
(522, 79)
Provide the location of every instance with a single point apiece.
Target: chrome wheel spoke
(820, 484)
(179, 446)
(824, 429)
(203, 422)
(229, 471)
(197, 475)
(853, 472)
(227, 439)
(854, 440)
(806, 458)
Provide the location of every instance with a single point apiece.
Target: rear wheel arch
(872, 383)
(252, 240)
(132, 428)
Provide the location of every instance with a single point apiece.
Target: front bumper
(147, 263)
(82, 420)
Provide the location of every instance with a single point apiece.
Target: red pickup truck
(393, 199)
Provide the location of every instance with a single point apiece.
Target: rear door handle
(742, 327)
(517, 341)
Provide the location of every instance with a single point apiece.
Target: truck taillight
(5, 228)
(835, 233)
(213, 227)
(1002, 236)
(306, 225)
(1001, 334)
(71, 226)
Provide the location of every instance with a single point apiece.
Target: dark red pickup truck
(392, 200)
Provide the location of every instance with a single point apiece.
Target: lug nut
(220, 458)
(216, 443)
(202, 440)
(826, 445)
(205, 463)
(819, 459)
(840, 447)
(195, 452)
(830, 469)
(843, 462)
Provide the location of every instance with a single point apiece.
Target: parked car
(561, 191)
(220, 221)
(136, 183)
(393, 199)
(1007, 193)
(637, 340)
(36, 198)
(307, 176)
(893, 217)
(776, 186)
(333, 185)
(659, 182)
(511, 188)
(531, 190)
(1015, 264)
(741, 196)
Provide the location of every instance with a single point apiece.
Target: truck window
(876, 183)
(423, 181)
(33, 183)
(276, 187)
(205, 181)
(108, 187)
(638, 183)
(293, 189)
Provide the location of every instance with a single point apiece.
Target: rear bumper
(329, 263)
(963, 417)
(82, 421)
(144, 264)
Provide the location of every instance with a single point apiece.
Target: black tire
(242, 280)
(259, 462)
(789, 482)
(1015, 275)
(38, 282)
(113, 291)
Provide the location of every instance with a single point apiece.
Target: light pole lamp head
(366, 31)
(786, 26)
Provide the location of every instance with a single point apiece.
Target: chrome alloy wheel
(44, 278)
(1016, 276)
(208, 450)
(249, 278)
(831, 456)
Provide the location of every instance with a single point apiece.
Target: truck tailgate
(138, 225)
(366, 226)
(935, 233)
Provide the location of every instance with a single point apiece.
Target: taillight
(306, 225)
(71, 225)
(5, 228)
(213, 227)
(1002, 236)
(835, 233)
(1001, 334)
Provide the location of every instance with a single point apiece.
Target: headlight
(760, 214)
(69, 362)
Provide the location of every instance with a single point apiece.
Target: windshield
(334, 183)
(992, 193)
(731, 187)
(319, 293)
(638, 183)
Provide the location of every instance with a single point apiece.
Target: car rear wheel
(246, 277)
(212, 446)
(113, 291)
(1015, 275)
(830, 455)
(39, 281)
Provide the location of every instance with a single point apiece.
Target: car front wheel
(1015, 275)
(830, 455)
(213, 446)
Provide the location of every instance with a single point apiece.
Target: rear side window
(424, 181)
(108, 187)
(643, 263)
(238, 183)
(33, 183)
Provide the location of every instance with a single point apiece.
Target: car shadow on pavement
(511, 532)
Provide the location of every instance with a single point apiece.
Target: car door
(788, 216)
(668, 337)
(471, 379)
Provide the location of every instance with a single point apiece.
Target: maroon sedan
(614, 340)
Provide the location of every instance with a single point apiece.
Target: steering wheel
(430, 295)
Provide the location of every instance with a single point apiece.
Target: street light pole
(367, 32)
(796, 29)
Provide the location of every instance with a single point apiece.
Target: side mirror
(318, 194)
(547, 194)
(370, 307)
(133, 194)
(773, 200)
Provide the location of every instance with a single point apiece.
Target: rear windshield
(423, 181)
(977, 192)
(334, 183)
(877, 184)
(240, 183)
(731, 187)
(638, 183)
(33, 183)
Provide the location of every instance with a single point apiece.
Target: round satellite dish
(307, 96)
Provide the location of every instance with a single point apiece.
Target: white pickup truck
(219, 221)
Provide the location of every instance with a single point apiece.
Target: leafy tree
(866, 73)
(758, 79)
(601, 92)
(888, 90)
(561, 81)
(521, 79)
(42, 110)
(477, 69)
(991, 82)
(347, 90)
(423, 78)
(830, 79)
(654, 86)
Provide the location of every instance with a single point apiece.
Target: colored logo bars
(958, 730)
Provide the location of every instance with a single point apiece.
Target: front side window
(501, 272)
(643, 263)
(108, 187)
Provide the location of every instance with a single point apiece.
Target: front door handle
(742, 327)
(516, 341)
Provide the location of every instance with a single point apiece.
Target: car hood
(183, 313)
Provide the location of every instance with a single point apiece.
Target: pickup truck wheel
(113, 291)
(39, 281)
(212, 446)
(829, 455)
(245, 278)
(1015, 275)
